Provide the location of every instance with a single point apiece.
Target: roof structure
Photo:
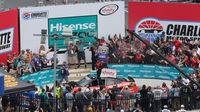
(13, 85)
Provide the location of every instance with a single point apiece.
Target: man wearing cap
(165, 109)
(126, 95)
(64, 72)
(72, 56)
(20, 65)
(81, 52)
(182, 109)
(185, 92)
(157, 98)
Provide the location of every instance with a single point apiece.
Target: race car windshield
(85, 81)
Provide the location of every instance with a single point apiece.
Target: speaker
(43, 37)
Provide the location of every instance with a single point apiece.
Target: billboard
(173, 20)
(100, 19)
(8, 33)
(82, 27)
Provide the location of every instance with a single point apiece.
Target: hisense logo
(60, 26)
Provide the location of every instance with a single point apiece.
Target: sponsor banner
(137, 71)
(34, 15)
(8, 34)
(168, 23)
(97, 19)
(42, 78)
(45, 77)
(105, 72)
(148, 71)
(6, 39)
(82, 27)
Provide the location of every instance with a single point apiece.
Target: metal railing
(22, 103)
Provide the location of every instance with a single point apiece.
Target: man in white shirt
(157, 99)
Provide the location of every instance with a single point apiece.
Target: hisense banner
(85, 20)
(148, 71)
(123, 71)
(173, 20)
(82, 27)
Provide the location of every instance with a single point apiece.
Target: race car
(107, 82)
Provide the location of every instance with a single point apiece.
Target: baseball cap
(87, 90)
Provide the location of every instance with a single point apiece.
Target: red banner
(169, 20)
(8, 34)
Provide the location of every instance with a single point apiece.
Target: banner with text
(42, 78)
(82, 27)
(148, 71)
(169, 22)
(92, 19)
(8, 34)
(105, 72)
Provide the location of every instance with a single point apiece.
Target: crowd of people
(24, 63)
(114, 50)
(182, 94)
(68, 100)
(131, 50)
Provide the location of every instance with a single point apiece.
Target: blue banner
(82, 27)
(45, 77)
(42, 78)
(148, 71)
(1, 84)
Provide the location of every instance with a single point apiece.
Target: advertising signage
(82, 27)
(173, 20)
(8, 34)
(81, 20)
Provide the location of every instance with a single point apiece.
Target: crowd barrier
(123, 70)
(148, 71)
(22, 103)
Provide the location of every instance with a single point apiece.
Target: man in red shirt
(172, 58)
(195, 61)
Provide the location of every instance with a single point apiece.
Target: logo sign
(34, 15)
(151, 29)
(6, 40)
(108, 73)
(81, 27)
(108, 9)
